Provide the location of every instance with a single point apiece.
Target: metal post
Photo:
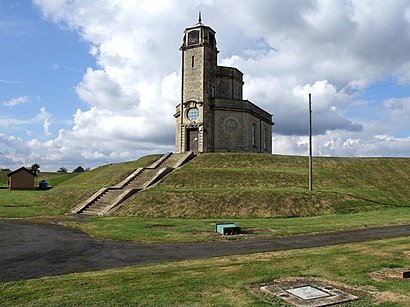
(310, 145)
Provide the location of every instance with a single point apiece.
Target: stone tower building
(212, 115)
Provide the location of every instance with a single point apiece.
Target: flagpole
(310, 145)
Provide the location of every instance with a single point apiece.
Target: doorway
(192, 140)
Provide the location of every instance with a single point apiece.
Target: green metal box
(227, 229)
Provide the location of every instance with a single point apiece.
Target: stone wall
(242, 105)
(230, 131)
(241, 131)
(228, 83)
(193, 81)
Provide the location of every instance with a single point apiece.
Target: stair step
(99, 206)
(172, 160)
(107, 198)
(142, 178)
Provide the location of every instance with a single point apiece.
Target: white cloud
(286, 49)
(43, 117)
(99, 90)
(11, 81)
(16, 101)
(47, 120)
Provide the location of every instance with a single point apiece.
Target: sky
(91, 82)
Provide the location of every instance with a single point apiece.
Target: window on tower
(193, 37)
(253, 134)
(193, 114)
(265, 140)
(212, 39)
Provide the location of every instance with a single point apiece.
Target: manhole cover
(308, 292)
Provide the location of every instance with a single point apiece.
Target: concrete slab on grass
(308, 293)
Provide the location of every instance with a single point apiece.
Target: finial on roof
(199, 17)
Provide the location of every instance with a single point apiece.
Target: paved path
(29, 250)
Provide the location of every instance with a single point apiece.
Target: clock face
(193, 114)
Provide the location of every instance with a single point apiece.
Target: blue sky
(88, 82)
(41, 62)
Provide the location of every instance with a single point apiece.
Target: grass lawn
(224, 280)
(27, 203)
(20, 204)
(200, 230)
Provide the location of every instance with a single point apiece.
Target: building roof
(199, 24)
(21, 169)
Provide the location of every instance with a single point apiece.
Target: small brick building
(212, 115)
(21, 179)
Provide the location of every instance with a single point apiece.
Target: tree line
(78, 169)
(35, 169)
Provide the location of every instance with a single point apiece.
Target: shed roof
(21, 169)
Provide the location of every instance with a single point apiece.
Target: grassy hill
(67, 195)
(68, 189)
(232, 185)
(251, 185)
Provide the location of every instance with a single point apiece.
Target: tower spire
(199, 17)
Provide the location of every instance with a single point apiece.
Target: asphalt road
(29, 250)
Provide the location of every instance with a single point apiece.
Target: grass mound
(68, 189)
(79, 188)
(256, 185)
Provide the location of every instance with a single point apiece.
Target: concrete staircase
(139, 181)
(106, 200)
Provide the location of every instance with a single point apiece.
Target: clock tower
(211, 115)
(199, 56)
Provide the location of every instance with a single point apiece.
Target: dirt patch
(387, 274)
(406, 254)
(386, 296)
(390, 274)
